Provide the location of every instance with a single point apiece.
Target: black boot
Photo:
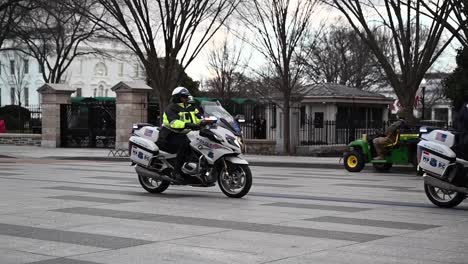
(177, 176)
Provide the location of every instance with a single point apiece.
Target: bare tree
(417, 45)
(16, 75)
(338, 55)
(228, 65)
(11, 14)
(457, 24)
(166, 35)
(55, 33)
(280, 28)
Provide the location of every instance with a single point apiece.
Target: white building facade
(91, 75)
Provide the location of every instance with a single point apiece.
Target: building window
(107, 93)
(121, 68)
(26, 66)
(78, 92)
(100, 69)
(26, 96)
(318, 119)
(12, 67)
(303, 115)
(80, 70)
(94, 92)
(40, 68)
(441, 114)
(273, 116)
(137, 66)
(101, 91)
(12, 95)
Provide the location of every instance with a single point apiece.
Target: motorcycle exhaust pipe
(429, 180)
(151, 174)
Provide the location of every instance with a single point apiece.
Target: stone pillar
(52, 96)
(131, 107)
(432, 113)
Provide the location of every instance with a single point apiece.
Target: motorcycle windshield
(227, 120)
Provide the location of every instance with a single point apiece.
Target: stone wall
(21, 139)
(322, 151)
(260, 146)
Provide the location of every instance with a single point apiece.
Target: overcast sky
(198, 70)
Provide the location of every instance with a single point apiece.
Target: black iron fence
(327, 132)
(35, 123)
(259, 118)
(89, 125)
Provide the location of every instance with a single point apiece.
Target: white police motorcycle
(445, 175)
(216, 157)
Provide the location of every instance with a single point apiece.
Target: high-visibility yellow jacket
(177, 115)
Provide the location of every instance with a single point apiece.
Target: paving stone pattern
(59, 212)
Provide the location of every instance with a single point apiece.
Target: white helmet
(181, 91)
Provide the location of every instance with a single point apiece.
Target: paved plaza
(56, 211)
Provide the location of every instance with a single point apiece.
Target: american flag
(148, 132)
(441, 137)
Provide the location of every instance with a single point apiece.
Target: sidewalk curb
(404, 169)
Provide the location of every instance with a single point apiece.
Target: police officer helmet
(180, 91)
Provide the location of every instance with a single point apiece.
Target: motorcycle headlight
(233, 141)
(238, 142)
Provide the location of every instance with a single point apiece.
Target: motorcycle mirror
(240, 118)
(211, 119)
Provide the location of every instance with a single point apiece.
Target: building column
(385, 114)
(131, 108)
(432, 113)
(450, 116)
(52, 96)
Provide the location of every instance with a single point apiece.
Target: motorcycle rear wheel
(443, 198)
(153, 185)
(236, 181)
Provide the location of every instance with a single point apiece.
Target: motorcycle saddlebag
(142, 150)
(435, 158)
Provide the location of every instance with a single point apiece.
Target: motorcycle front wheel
(443, 198)
(235, 180)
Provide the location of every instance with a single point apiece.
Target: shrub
(15, 116)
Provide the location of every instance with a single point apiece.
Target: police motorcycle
(216, 157)
(445, 172)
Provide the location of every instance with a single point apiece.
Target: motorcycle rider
(391, 134)
(180, 117)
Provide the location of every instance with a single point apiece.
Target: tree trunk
(164, 98)
(286, 126)
(407, 102)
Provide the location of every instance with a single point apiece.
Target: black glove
(192, 126)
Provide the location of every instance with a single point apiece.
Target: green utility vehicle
(401, 152)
